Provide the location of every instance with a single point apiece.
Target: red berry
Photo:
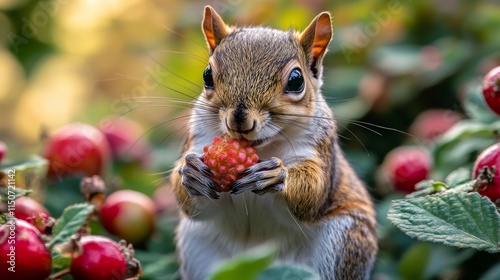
(227, 158)
(126, 140)
(3, 150)
(77, 149)
(101, 259)
(491, 89)
(487, 165)
(431, 124)
(27, 207)
(129, 215)
(22, 249)
(406, 166)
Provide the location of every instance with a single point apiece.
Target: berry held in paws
(227, 158)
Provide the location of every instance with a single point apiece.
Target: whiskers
(303, 121)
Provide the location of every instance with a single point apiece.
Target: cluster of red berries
(406, 166)
(23, 252)
(491, 89)
(487, 165)
(81, 149)
(227, 158)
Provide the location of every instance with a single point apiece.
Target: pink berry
(3, 150)
(487, 165)
(406, 166)
(77, 149)
(129, 215)
(101, 259)
(26, 207)
(126, 140)
(227, 158)
(491, 89)
(431, 124)
(22, 248)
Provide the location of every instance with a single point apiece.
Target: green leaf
(458, 176)
(68, 193)
(425, 184)
(246, 266)
(464, 187)
(59, 262)
(286, 271)
(397, 59)
(427, 187)
(458, 146)
(422, 192)
(464, 220)
(72, 219)
(157, 266)
(28, 174)
(5, 192)
(429, 261)
(414, 261)
(474, 104)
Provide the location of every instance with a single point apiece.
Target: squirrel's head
(263, 81)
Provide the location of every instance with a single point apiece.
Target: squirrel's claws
(269, 164)
(195, 160)
(194, 188)
(194, 178)
(266, 176)
(273, 188)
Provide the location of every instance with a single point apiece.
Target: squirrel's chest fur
(235, 224)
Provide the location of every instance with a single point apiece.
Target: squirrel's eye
(207, 77)
(295, 82)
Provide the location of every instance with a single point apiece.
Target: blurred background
(64, 61)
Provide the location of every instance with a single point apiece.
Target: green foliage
(458, 146)
(414, 261)
(427, 260)
(464, 220)
(476, 106)
(158, 266)
(246, 266)
(287, 271)
(59, 261)
(256, 264)
(25, 175)
(72, 219)
(17, 193)
(458, 177)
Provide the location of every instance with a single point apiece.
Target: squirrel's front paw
(265, 176)
(196, 177)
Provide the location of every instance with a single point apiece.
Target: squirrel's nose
(244, 129)
(238, 120)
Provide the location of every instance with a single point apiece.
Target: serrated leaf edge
(58, 228)
(488, 245)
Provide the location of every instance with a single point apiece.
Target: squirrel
(263, 85)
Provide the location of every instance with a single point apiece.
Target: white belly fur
(233, 224)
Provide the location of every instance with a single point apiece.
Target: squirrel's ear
(213, 27)
(315, 40)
